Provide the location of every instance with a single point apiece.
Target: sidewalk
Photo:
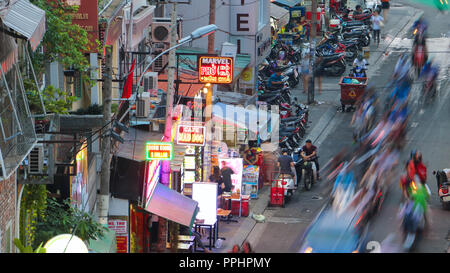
(321, 116)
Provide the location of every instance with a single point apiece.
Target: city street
(428, 132)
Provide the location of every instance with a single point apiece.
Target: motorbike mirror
(434, 172)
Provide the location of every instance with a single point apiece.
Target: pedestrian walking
(305, 71)
(385, 7)
(377, 23)
(318, 72)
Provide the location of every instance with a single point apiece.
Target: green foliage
(64, 218)
(63, 41)
(93, 109)
(33, 206)
(55, 100)
(28, 249)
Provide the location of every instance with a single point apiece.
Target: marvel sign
(215, 70)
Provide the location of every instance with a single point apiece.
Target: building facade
(244, 23)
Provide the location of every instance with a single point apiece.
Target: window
(262, 14)
(77, 84)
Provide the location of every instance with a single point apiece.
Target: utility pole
(165, 173)
(103, 201)
(209, 94)
(130, 28)
(172, 62)
(312, 50)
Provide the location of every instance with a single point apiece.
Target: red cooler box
(244, 206)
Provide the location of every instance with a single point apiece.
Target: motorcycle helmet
(417, 157)
(359, 57)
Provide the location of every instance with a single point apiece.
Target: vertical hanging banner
(87, 18)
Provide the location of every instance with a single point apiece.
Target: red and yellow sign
(191, 135)
(215, 70)
(122, 244)
(159, 150)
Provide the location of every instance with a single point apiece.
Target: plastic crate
(244, 207)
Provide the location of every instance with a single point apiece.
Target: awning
(8, 52)
(28, 20)
(280, 14)
(134, 144)
(287, 3)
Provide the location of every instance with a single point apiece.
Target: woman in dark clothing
(217, 178)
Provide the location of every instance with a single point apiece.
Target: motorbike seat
(354, 23)
(290, 119)
(287, 129)
(352, 33)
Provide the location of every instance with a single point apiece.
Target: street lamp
(196, 34)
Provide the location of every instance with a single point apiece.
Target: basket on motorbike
(352, 88)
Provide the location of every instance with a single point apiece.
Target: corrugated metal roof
(25, 18)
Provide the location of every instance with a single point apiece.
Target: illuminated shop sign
(191, 135)
(215, 70)
(152, 178)
(159, 150)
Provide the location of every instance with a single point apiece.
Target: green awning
(106, 244)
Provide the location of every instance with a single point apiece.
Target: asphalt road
(429, 132)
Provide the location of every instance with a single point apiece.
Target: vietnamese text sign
(119, 226)
(215, 70)
(191, 135)
(122, 244)
(159, 150)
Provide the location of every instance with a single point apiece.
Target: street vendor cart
(352, 89)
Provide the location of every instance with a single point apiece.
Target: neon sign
(153, 170)
(191, 135)
(159, 150)
(215, 70)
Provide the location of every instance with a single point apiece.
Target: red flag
(129, 83)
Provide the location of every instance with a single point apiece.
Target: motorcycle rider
(402, 67)
(430, 71)
(361, 63)
(285, 163)
(421, 25)
(357, 11)
(417, 167)
(275, 81)
(309, 152)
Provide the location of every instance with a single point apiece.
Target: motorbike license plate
(446, 198)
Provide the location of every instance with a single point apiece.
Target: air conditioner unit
(159, 63)
(36, 159)
(160, 31)
(143, 105)
(150, 80)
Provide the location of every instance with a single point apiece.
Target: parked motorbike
(334, 65)
(292, 73)
(443, 187)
